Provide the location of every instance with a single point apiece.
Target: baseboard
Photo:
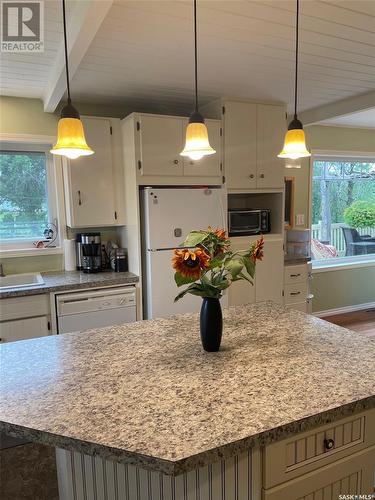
(343, 310)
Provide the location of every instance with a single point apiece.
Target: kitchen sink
(20, 280)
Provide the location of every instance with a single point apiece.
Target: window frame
(338, 262)
(25, 247)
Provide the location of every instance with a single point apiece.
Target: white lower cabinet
(24, 317)
(22, 329)
(296, 287)
(334, 459)
(268, 284)
(351, 476)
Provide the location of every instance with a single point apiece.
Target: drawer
(295, 293)
(294, 274)
(305, 452)
(24, 307)
(299, 306)
(349, 476)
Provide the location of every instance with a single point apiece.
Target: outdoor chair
(357, 244)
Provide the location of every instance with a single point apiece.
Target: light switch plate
(300, 219)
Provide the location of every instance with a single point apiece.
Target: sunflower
(190, 263)
(256, 251)
(221, 234)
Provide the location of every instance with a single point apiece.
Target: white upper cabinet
(93, 183)
(240, 145)
(161, 141)
(271, 127)
(158, 141)
(253, 136)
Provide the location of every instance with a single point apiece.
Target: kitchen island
(164, 419)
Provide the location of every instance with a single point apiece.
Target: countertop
(56, 281)
(291, 260)
(146, 393)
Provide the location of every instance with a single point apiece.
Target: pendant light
(295, 143)
(197, 144)
(71, 140)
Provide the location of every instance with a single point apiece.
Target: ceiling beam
(82, 26)
(334, 109)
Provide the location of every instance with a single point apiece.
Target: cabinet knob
(251, 176)
(191, 163)
(329, 444)
(261, 176)
(175, 162)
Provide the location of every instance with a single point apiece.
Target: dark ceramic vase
(211, 324)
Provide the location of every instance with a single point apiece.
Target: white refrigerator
(169, 214)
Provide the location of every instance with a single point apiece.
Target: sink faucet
(2, 271)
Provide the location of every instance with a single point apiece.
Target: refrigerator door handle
(168, 249)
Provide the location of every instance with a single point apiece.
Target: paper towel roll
(70, 255)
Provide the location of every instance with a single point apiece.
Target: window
(27, 195)
(343, 210)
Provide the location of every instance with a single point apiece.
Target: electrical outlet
(300, 219)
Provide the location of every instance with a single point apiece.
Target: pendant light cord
(66, 53)
(296, 67)
(195, 55)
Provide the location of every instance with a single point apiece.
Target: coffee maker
(88, 251)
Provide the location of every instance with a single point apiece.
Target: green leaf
(194, 238)
(187, 290)
(249, 265)
(183, 280)
(244, 277)
(234, 266)
(217, 261)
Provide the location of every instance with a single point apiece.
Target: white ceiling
(362, 119)
(141, 56)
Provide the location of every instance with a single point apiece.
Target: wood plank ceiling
(141, 56)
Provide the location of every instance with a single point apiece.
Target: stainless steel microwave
(245, 222)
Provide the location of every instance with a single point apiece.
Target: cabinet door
(270, 273)
(241, 292)
(240, 145)
(351, 476)
(90, 179)
(209, 166)
(22, 329)
(161, 142)
(271, 126)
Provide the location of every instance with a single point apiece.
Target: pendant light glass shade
(197, 144)
(295, 142)
(71, 141)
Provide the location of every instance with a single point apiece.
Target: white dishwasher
(95, 309)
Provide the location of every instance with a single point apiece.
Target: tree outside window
(343, 207)
(23, 195)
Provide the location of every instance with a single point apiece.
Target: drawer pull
(295, 293)
(329, 444)
(295, 275)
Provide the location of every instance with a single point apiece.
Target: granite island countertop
(146, 393)
(59, 281)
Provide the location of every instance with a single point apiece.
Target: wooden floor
(359, 321)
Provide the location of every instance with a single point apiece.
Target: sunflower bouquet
(207, 265)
